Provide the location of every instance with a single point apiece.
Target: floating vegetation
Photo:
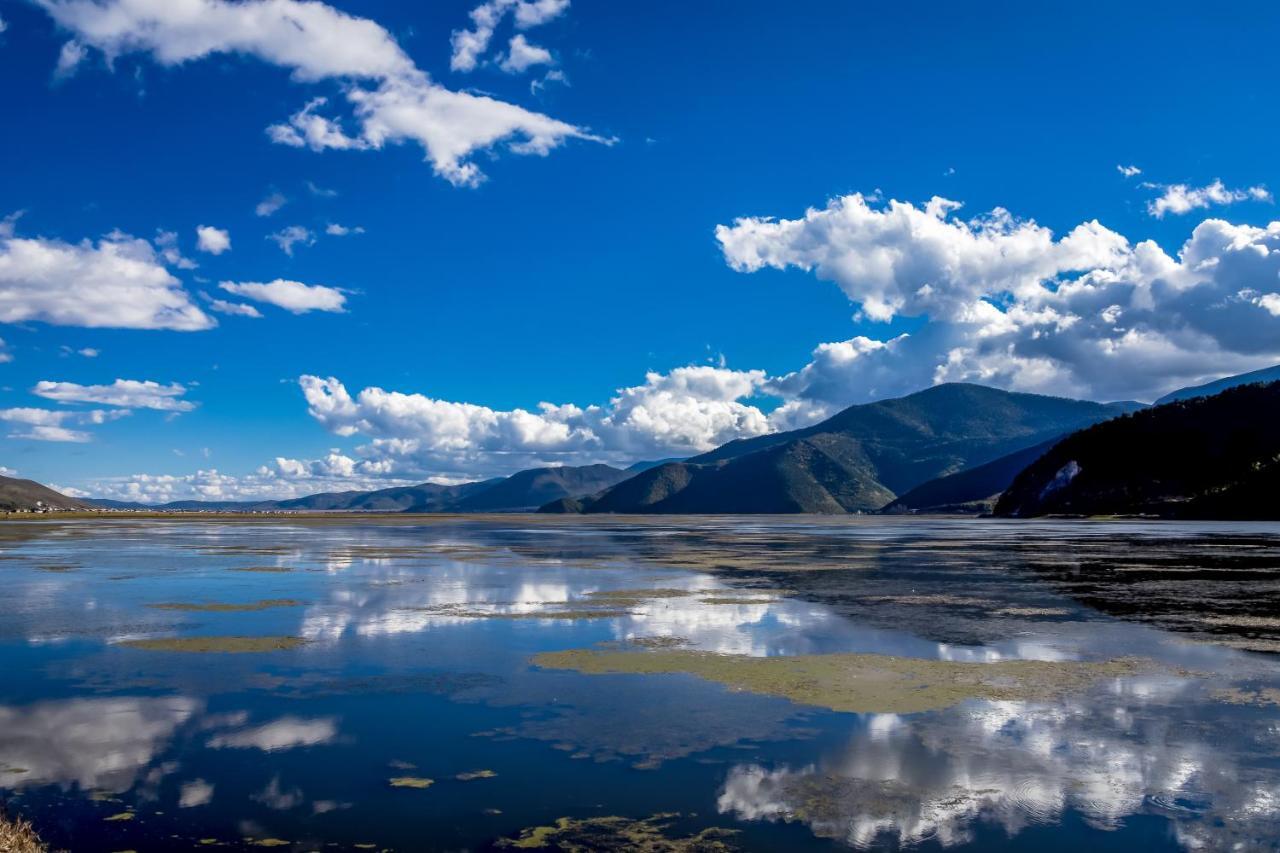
(269, 842)
(1034, 612)
(858, 683)
(269, 570)
(219, 607)
(1240, 696)
(649, 835)
(410, 782)
(226, 645)
(635, 597)
(472, 775)
(120, 816)
(18, 836)
(729, 600)
(659, 642)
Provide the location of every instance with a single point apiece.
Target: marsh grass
(18, 836)
(225, 645)
(219, 607)
(857, 683)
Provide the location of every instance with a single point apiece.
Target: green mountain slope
(1207, 457)
(857, 461)
(535, 487)
(974, 489)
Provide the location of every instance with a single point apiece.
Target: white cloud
(902, 259)
(282, 478)
(167, 245)
(393, 100)
(69, 58)
(336, 230)
(470, 45)
(215, 241)
(1180, 198)
(688, 410)
(88, 352)
(1128, 171)
(119, 282)
(234, 309)
(521, 56)
(270, 205)
(3, 26)
(5, 355)
(49, 425)
(289, 237)
(124, 393)
(1008, 304)
(293, 296)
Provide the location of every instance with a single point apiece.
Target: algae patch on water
(228, 645)
(858, 683)
(649, 835)
(410, 782)
(472, 775)
(219, 607)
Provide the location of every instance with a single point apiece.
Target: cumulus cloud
(234, 309)
(689, 410)
(335, 230)
(293, 296)
(118, 282)
(215, 241)
(392, 99)
(124, 393)
(1009, 304)
(287, 238)
(51, 425)
(166, 243)
(1180, 198)
(470, 45)
(195, 793)
(1128, 171)
(282, 478)
(5, 355)
(270, 205)
(521, 56)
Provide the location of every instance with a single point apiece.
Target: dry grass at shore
(18, 836)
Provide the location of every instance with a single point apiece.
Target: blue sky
(571, 273)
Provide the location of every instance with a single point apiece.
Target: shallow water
(400, 649)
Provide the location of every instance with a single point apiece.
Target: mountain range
(953, 448)
(526, 490)
(859, 460)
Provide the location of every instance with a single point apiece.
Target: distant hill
(17, 495)
(1205, 457)
(522, 491)
(1267, 374)
(857, 461)
(973, 490)
(637, 467)
(533, 488)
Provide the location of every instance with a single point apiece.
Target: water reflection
(95, 744)
(1013, 765)
(419, 642)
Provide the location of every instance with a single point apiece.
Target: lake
(797, 683)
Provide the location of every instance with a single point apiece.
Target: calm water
(417, 664)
